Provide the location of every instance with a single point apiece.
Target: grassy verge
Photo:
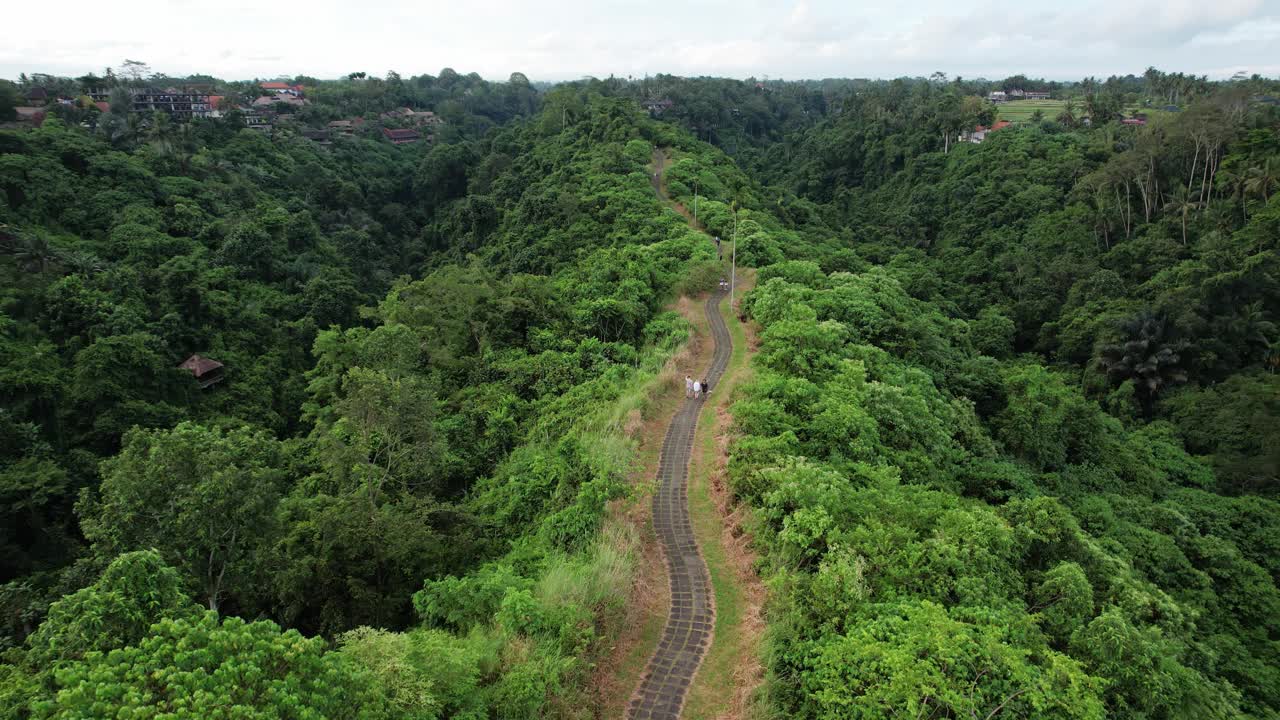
(638, 638)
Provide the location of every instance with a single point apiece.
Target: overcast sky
(563, 39)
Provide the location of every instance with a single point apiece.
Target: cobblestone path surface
(687, 635)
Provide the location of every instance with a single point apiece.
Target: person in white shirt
(688, 386)
(697, 388)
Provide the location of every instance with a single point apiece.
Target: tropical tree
(81, 262)
(1251, 329)
(201, 667)
(34, 253)
(1261, 180)
(1238, 184)
(136, 590)
(9, 100)
(1068, 115)
(1181, 203)
(135, 70)
(1147, 354)
(204, 498)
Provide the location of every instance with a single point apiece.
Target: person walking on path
(706, 387)
(697, 389)
(688, 386)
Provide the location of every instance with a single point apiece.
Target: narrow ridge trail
(691, 617)
(690, 624)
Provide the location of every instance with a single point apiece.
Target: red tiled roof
(214, 100)
(103, 105)
(275, 86)
(200, 365)
(1001, 124)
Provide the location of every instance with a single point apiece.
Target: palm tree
(1262, 179)
(1091, 108)
(81, 262)
(173, 140)
(162, 134)
(1068, 115)
(1182, 203)
(1251, 329)
(34, 253)
(1236, 181)
(1148, 355)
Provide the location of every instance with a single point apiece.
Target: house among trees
(37, 96)
(178, 104)
(267, 101)
(401, 136)
(33, 115)
(317, 136)
(999, 96)
(184, 104)
(256, 119)
(282, 88)
(346, 127)
(657, 107)
(205, 370)
(979, 132)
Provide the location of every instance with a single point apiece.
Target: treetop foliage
(1010, 440)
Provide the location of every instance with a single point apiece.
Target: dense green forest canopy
(1011, 444)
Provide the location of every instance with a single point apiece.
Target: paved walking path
(687, 635)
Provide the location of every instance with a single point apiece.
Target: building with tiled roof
(206, 371)
(267, 101)
(399, 136)
(281, 88)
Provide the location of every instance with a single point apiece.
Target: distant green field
(1022, 110)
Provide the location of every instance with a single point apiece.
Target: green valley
(322, 400)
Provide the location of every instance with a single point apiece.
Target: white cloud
(1261, 31)
(557, 39)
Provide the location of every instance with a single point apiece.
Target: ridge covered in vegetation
(1011, 443)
